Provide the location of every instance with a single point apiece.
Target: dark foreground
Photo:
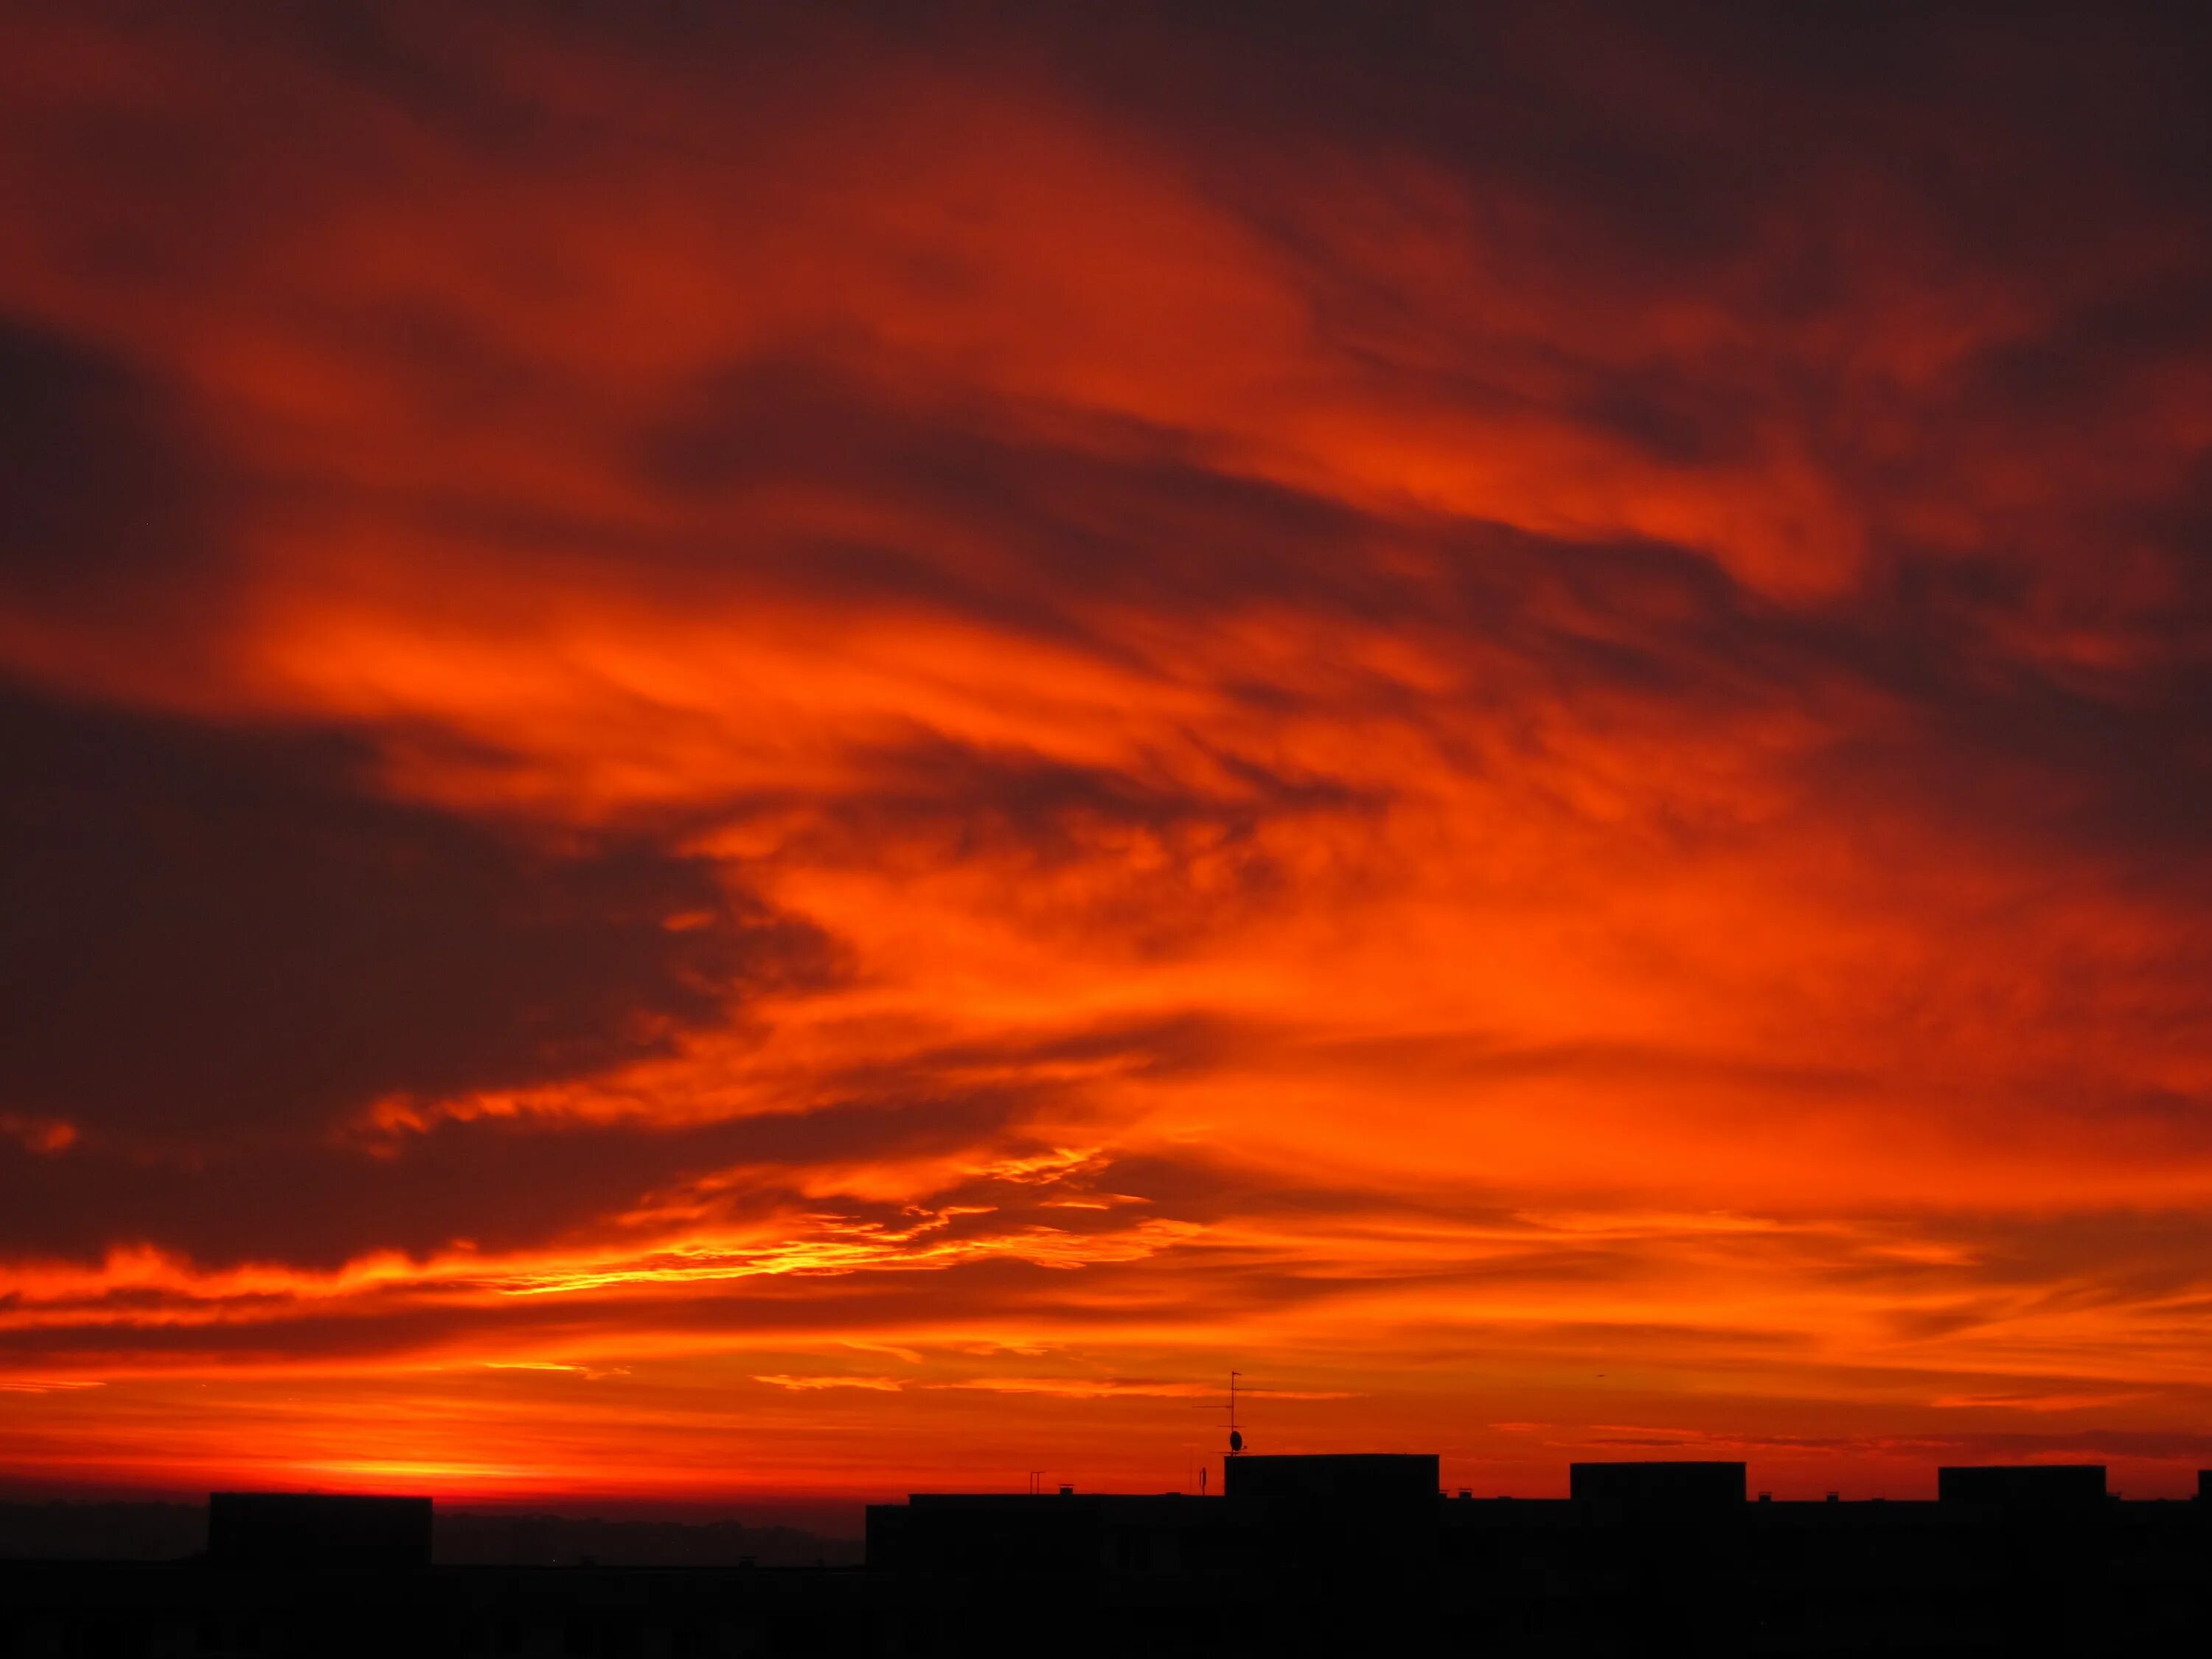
(1309, 1557)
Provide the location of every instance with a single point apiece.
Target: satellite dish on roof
(1236, 1441)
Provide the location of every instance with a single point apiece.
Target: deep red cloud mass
(760, 750)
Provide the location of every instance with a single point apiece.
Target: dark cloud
(1022, 514)
(2085, 1258)
(208, 931)
(103, 488)
(1017, 519)
(935, 799)
(496, 1183)
(2153, 1444)
(1673, 137)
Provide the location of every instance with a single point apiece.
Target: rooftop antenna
(1236, 1436)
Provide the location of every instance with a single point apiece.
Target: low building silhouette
(2048, 1486)
(1358, 1478)
(1328, 1555)
(314, 1528)
(1658, 1487)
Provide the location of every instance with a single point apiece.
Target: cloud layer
(795, 754)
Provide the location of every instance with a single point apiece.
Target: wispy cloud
(809, 1384)
(1507, 742)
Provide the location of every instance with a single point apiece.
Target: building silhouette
(326, 1529)
(1297, 1555)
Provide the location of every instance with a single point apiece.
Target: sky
(790, 754)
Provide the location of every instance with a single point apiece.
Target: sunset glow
(754, 754)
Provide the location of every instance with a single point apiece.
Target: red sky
(761, 753)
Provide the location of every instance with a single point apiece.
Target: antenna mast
(1236, 1437)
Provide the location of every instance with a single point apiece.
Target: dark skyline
(1349, 1552)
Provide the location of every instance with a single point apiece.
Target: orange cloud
(1501, 724)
